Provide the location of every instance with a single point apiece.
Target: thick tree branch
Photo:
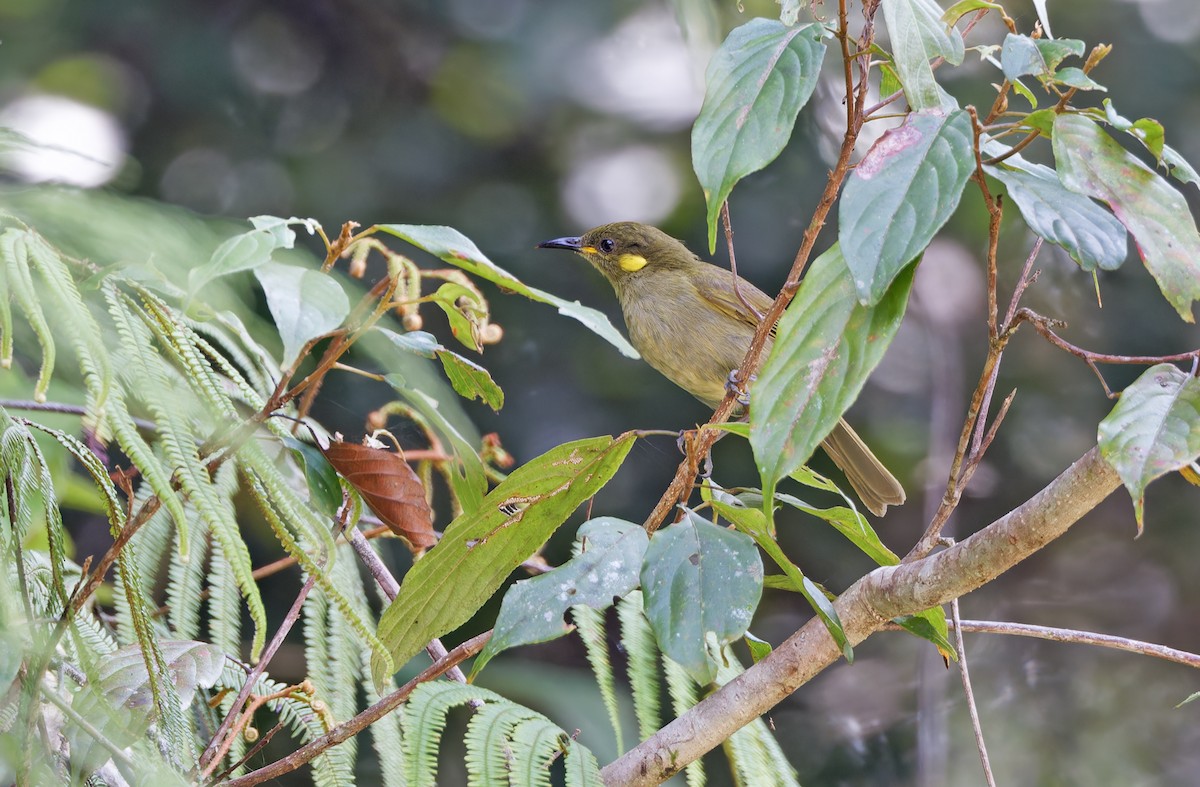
(866, 607)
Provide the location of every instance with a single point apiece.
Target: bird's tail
(874, 484)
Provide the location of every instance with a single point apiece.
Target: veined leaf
(1038, 57)
(1090, 234)
(469, 379)
(1153, 430)
(699, 580)
(758, 80)
(1155, 213)
(607, 567)
(450, 245)
(901, 194)
(304, 304)
(390, 486)
(1150, 133)
(918, 34)
(826, 345)
(482, 547)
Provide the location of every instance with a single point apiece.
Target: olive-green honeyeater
(686, 320)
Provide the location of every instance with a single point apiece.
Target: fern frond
(590, 625)
(19, 280)
(424, 720)
(582, 768)
(753, 751)
(639, 643)
(489, 756)
(684, 694)
(534, 742)
(74, 316)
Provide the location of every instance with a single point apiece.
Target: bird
(686, 320)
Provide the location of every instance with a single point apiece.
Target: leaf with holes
(901, 194)
(606, 567)
(450, 245)
(700, 581)
(389, 486)
(1155, 213)
(1153, 430)
(482, 547)
(757, 82)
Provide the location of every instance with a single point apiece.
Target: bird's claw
(734, 386)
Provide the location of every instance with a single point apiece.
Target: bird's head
(626, 250)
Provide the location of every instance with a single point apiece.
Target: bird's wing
(715, 285)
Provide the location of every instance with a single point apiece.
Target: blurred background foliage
(518, 120)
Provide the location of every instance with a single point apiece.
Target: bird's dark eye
(607, 245)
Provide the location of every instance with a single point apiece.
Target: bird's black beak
(574, 244)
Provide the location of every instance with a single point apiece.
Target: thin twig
(737, 290)
(969, 693)
(1074, 636)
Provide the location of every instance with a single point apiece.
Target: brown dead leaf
(389, 486)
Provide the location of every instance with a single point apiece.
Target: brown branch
(866, 607)
(681, 485)
(357, 724)
(1084, 638)
(1042, 326)
(969, 693)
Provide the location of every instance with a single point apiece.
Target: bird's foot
(734, 386)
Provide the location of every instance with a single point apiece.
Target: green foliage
(1153, 430)
(757, 82)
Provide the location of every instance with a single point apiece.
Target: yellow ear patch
(631, 262)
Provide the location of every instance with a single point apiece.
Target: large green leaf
(901, 194)
(450, 245)
(1090, 234)
(1153, 430)
(1150, 133)
(1155, 213)
(700, 581)
(304, 304)
(607, 567)
(757, 81)
(918, 34)
(826, 345)
(482, 547)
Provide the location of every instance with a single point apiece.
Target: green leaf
(759, 648)
(464, 319)
(469, 478)
(420, 343)
(450, 245)
(481, 548)
(964, 7)
(607, 566)
(851, 524)
(1038, 57)
(241, 252)
(304, 304)
(757, 81)
(1076, 78)
(918, 34)
(699, 580)
(1156, 214)
(324, 489)
(789, 11)
(826, 345)
(471, 380)
(930, 625)
(281, 228)
(1150, 133)
(1153, 430)
(901, 194)
(753, 522)
(1089, 233)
